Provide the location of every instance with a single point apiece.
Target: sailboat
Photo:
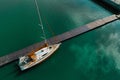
(35, 57)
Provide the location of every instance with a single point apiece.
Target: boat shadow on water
(34, 68)
(19, 72)
(54, 64)
(16, 71)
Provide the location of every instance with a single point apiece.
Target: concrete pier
(59, 38)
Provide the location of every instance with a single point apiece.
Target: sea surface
(91, 56)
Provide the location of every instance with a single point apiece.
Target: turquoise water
(91, 56)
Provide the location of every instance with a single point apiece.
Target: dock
(59, 38)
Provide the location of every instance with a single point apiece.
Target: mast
(40, 21)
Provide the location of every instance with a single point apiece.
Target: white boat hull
(41, 56)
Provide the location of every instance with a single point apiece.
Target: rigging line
(48, 25)
(40, 21)
(50, 28)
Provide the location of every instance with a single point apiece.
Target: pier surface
(59, 38)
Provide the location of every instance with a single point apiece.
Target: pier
(59, 38)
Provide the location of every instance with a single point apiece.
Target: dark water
(92, 56)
